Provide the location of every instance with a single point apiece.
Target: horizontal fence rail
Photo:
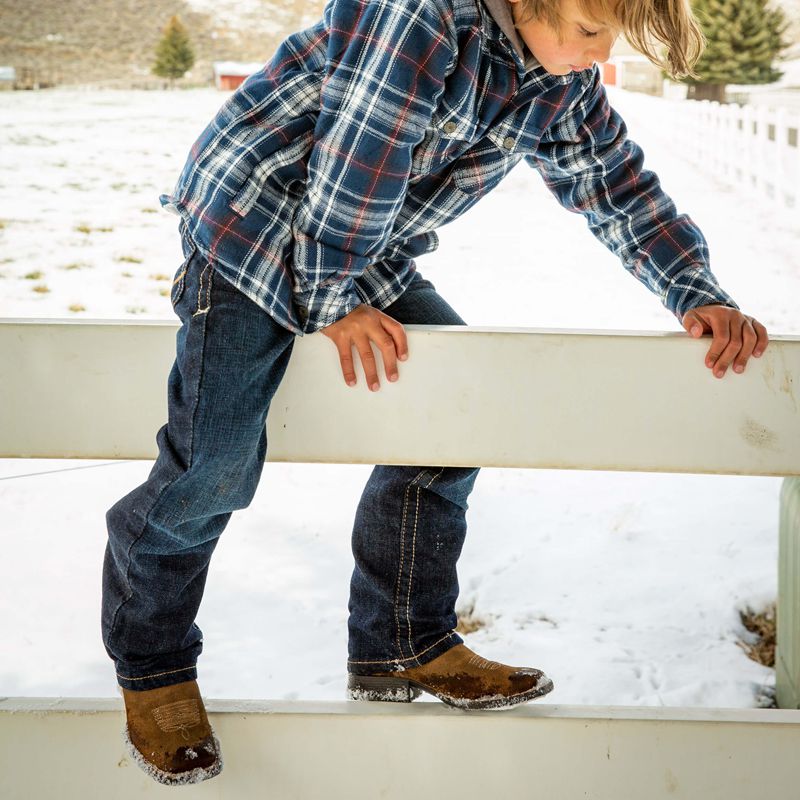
(466, 396)
(328, 751)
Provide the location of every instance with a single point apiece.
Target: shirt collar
(501, 14)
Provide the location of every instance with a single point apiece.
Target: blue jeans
(409, 526)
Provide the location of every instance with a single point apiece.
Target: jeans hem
(157, 680)
(370, 667)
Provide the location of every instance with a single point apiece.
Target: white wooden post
(761, 142)
(728, 143)
(778, 162)
(747, 151)
(793, 161)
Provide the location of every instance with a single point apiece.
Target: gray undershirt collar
(501, 13)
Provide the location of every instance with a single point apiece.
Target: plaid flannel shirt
(326, 173)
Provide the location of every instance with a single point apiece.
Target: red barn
(229, 74)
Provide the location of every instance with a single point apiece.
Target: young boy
(303, 205)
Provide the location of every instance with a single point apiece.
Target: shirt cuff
(324, 305)
(692, 287)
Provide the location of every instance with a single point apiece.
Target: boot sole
(398, 690)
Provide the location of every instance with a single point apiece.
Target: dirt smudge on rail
(758, 435)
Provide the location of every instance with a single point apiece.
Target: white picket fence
(755, 147)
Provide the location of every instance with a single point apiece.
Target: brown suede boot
(169, 736)
(459, 678)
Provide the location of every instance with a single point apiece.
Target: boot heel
(392, 690)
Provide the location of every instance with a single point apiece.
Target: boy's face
(578, 44)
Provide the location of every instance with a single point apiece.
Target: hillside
(102, 41)
(111, 42)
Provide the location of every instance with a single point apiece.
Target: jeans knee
(453, 484)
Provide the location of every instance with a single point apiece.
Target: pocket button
(450, 127)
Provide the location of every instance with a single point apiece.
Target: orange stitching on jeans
(400, 566)
(413, 556)
(200, 290)
(400, 574)
(410, 658)
(154, 675)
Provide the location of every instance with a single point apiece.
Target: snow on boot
(459, 678)
(168, 734)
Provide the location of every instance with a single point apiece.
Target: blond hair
(645, 23)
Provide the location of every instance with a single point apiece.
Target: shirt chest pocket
(483, 166)
(446, 138)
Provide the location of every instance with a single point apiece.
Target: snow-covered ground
(625, 588)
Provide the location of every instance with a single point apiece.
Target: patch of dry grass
(87, 229)
(469, 621)
(760, 646)
(41, 289)
(34, 276)
(77, 308)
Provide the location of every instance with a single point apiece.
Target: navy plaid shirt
(326, 173)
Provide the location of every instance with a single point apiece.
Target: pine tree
(174, 54)
(744, 39)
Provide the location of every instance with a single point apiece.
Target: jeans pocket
(179, 281)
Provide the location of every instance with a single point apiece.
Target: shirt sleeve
(593, 169)
(386, 66)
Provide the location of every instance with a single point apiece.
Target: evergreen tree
(744, 39)
(174, 54)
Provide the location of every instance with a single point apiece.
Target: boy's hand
(736, 336)
(365, 324)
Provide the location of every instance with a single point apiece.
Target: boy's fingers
(720, 329)
(398, 334)
(346, 360)
(368, 362)
(730, 348)
(692, 324)
(735, 337)
(386, 345)
(749, 340)
(763, 337)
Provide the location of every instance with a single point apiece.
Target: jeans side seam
(413, 558)
(400, 574)
(200, 370)
(401, 563)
